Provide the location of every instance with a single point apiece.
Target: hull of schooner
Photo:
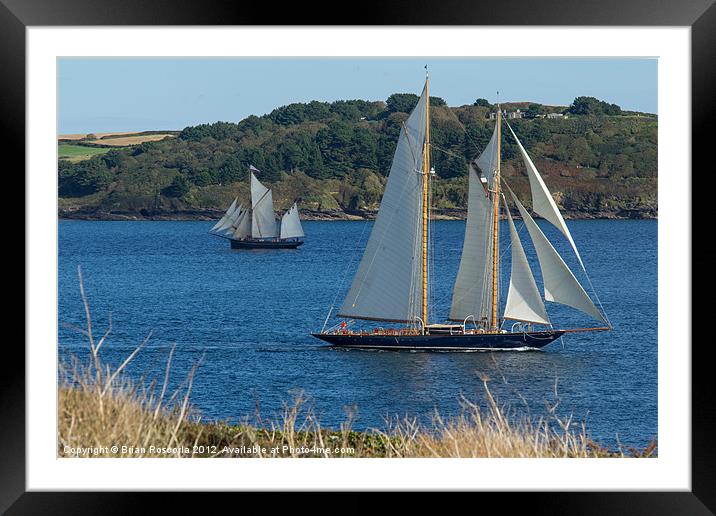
(392, 284)
(265, 244)
(523, 341)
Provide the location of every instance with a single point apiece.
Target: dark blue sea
(245, 318)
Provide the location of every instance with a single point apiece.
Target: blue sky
(136, 94)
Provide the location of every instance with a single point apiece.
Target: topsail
(487, 161)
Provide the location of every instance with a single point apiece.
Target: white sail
(263, 221)
(226, 215)
(231, 220)
(487, 161)
(542, 202)
(291, 224)
(388, 283)
(560, 285)
(243, 226)
(240, 214)
(473, 285)
(524, 302)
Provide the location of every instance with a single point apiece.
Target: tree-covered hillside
(334, 157)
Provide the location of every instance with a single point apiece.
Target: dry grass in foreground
(101, 408)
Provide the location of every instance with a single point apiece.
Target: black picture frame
(700, 15)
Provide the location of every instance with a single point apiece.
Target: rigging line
(413, 289)
(594, 291)
(431, 246)
(350, 263)
(430, 242)
(449, 153)
(474, 142)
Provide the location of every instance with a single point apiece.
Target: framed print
(451, 248)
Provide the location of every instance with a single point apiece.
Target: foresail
(524, 302)
(263, 221)
(542, 202)
(231, 220)
(291, 224)
(243, 226)
(487, 161)
(388, 285)
(226, 215)
(474, 278)
(237, 221)
(560, 285)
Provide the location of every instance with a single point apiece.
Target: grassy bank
(76, 153)
(100, 407)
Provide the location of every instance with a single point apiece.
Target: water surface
(247, 316)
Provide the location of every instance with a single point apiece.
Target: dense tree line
(339, 139)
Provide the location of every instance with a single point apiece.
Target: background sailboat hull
(265, 244)
(482, 342)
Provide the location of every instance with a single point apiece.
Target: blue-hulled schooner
(392, 283)
(255, 227)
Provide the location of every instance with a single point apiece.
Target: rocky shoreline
(442, 214)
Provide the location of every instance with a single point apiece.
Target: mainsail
(560, 285)
(388, 284)
(263, 221)
(542, 202)
(524, 302)
(291, 223)
(474, 277)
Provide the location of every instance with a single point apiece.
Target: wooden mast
(496, 225)
(426, 177)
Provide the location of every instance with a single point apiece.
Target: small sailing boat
(392, 283)
(255, 227)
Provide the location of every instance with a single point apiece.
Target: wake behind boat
(392, 281)
(256, 227)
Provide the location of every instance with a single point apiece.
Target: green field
(79, 152)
